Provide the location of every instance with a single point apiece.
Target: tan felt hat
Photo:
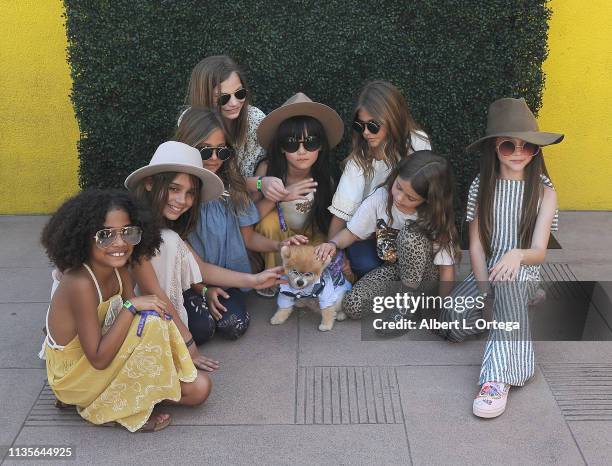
(301, 105)
(512, 118)
(177, 157)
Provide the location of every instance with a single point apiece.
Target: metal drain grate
(561, 283)
(348, 395)
(44, 412)
(582, 391)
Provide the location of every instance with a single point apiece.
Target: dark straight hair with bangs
(431, 177)
(489, 173)
(298, 127)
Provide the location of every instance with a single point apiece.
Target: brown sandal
(153, 426)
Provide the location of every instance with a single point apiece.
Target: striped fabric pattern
(508, 356)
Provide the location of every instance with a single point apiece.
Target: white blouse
(355, 186)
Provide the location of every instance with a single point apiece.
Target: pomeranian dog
(313, 283)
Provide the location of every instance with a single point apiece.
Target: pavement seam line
(23, 423)
(399, 394)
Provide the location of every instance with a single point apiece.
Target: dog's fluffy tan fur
(302, 259)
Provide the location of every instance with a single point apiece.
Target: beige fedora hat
(301, 105)
(512, 118)
(177, 157)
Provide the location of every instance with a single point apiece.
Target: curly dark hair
(68, 235)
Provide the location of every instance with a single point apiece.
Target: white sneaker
(491, 400)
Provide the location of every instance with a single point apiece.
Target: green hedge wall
(131, 61)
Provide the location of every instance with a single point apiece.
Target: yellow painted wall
(578, 102)
(38, 131)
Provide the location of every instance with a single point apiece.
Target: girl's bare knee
(204, 387)
(196, 392)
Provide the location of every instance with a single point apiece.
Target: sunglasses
(509, 147)
(292, 144)
(240, 94)
(372, 125)
(223, 152)
(107, 236)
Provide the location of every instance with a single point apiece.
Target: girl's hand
(508, 267)
(325, 250)
(150, 303)
(202, 362)
(268, 278)
(294, 240)
(300, 189)
(214, 305)
(273, 188)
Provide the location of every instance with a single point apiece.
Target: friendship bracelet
(189, 343)
(331, 241)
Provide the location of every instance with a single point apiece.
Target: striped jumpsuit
(508, 355)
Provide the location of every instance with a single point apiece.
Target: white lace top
(176, 270)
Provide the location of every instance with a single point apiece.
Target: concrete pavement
(290, 394)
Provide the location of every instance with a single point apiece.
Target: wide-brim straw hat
(512, 118)
(301, 105)
(177, 157)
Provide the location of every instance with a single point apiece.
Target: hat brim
(330, 120)
(534, 137)
(212, 186)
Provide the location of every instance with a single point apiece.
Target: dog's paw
(325, 327)
(340, 316)
(280, 316)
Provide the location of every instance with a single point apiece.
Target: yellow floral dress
(145, 371)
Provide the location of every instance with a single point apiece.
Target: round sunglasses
(372, 125)
(223, 152)
(292, 144)
(509, 147)
(107, 236)
(240, 94)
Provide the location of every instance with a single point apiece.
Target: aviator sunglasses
(372, 125)
(223, 152)
(510, 147)
(292, 144)
(240, 94)
(107, 236)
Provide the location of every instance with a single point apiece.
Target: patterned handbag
(386, 237)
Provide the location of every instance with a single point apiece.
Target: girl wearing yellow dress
(111, 354)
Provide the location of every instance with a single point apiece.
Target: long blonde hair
(195, 126)
(387, 105)
(205, 77)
